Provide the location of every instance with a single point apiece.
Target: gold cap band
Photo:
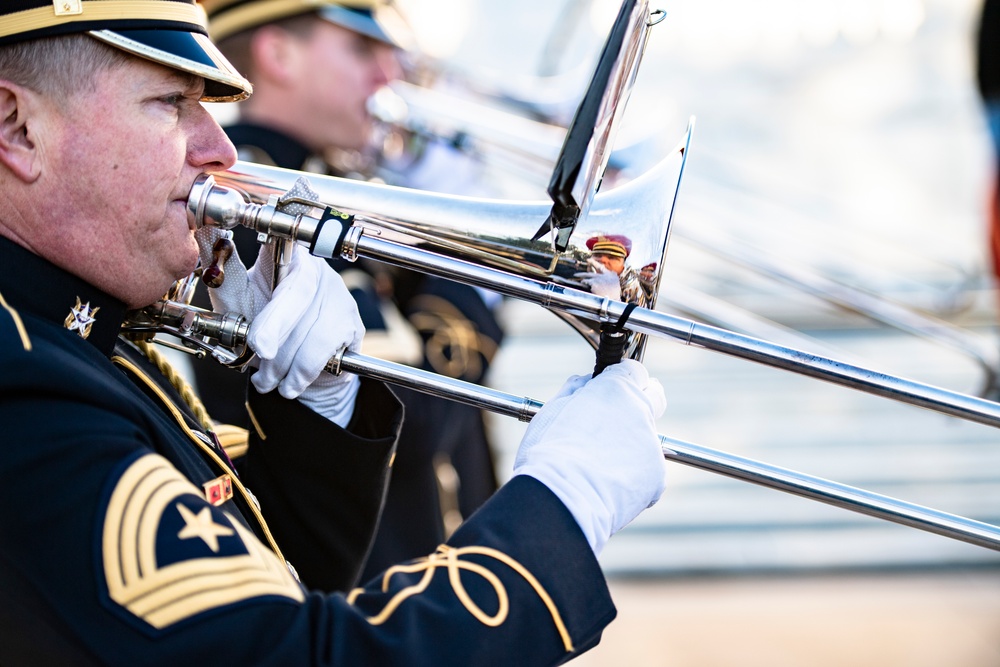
(229, 17)
(102, 10)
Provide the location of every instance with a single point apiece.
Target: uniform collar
(34, 285)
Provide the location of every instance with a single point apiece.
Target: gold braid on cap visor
(101, 10)
(248, 15)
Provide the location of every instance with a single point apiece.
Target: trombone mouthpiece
(214, 205)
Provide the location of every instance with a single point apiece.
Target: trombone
(485, 243)
(498, 245)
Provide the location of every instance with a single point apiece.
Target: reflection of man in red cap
(610, 251)
(607, 265)
(611, 277)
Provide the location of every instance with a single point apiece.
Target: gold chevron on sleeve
(164, 595)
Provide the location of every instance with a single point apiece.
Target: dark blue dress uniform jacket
(111, 553)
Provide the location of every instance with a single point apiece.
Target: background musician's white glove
(295, 332)
(596, 447)
(602, 281)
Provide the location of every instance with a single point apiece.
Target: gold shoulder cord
(232, 438)
(448, 557)
(203, 446)
(179, 383)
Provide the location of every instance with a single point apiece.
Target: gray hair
(58, 66)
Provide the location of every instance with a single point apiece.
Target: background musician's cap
(377, 19)
(169, 32)
(615, 245)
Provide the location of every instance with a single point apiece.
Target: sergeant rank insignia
(81, 318)
(167, 555)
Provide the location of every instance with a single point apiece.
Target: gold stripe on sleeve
(18, 324)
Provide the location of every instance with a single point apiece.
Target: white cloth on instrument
(308, 320)
(595, 445)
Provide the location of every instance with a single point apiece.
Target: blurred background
(842, 141)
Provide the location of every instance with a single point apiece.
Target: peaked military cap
(615, 245)
(373, 18)
(169, 32)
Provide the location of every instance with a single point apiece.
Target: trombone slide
(738, 467)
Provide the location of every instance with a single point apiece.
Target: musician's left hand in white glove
(296, 331)
(595, 446)
(601, 281)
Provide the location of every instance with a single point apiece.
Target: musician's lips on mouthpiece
(192, 223)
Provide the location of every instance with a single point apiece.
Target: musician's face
(120, 158)
(342, 69)
(611, 263)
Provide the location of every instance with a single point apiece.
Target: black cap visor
(187, 51)
(361, 21)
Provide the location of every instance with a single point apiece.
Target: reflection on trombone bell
(610, 274)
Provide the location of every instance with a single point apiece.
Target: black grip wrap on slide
(331, 215)
(614, 339)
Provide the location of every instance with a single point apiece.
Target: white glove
(295, 332)
(602, 282)
(596, 447)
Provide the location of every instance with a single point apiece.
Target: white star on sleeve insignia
(201, 525)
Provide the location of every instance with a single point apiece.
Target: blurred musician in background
(314, 66)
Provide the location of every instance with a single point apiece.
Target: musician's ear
(18, 143)
(275, 51)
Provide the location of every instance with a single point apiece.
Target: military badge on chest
(81, 318)
(219, 490)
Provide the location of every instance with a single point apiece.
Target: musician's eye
(173, 99)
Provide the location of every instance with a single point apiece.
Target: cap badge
(81, 318)
(67, 7)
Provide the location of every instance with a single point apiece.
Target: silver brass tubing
(748, 470)
(642, 320)
(442, 386)
(833, 493)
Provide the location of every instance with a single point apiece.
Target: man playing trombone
(128, 537)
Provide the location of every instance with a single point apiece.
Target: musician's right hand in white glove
(310, 317)
(596, 447)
